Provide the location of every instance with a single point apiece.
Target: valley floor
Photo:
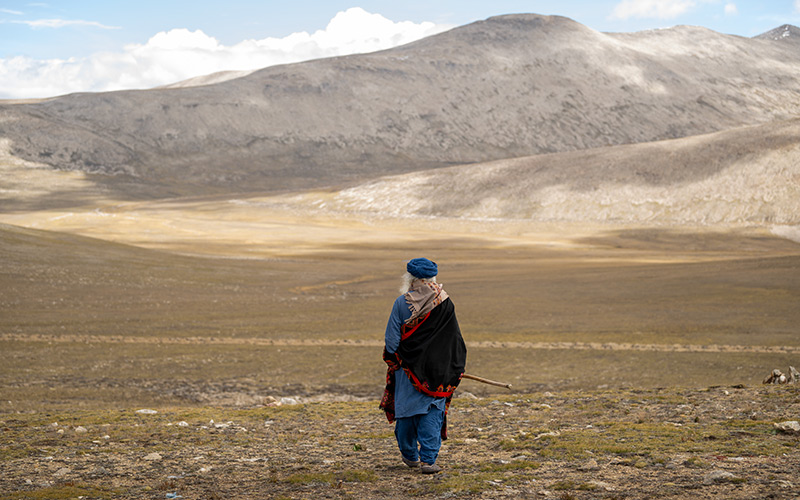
(208, 311)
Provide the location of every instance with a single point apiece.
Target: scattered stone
(788, 427)
(719, 476)
(62, 472)
(773, 377)
(590, 465)
(98, 472)
(146, 411)
(288, 401)
(270, 401)
(778, 377)
(601, 485)
(80, 430)
(182, 423)
(784, 484)
(466, 395)
(546, 434)
(153, 457)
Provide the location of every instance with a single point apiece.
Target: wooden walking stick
(486, 381)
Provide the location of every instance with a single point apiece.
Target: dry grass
(637, 286)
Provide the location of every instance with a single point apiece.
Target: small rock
(600, 485)
(182, 423)
(775, 377)
(788, 427)
(718, 476)
(288, 401)
(270, 401)
(153, 456)
(80, 430)
(547, 434)
(62, 472)
(784, 484)
(146, 411)
(98, 472)
(466, 395)
(794, 375)
(590, 465)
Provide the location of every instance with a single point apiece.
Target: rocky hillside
(506, 87)
(748, 175)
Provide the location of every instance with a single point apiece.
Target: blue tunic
(407, 400)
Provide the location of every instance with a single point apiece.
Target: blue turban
(422, 268)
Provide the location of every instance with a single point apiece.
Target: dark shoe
(411, 463)
(429, 468)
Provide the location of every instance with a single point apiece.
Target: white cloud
(797, 6)
(12, 12)
(179, 54)
(61, 23)
(659, 9)
(732, 10)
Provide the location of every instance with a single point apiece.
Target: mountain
(506, 87)
(786, 33)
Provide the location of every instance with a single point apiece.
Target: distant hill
(747, 175)
(506, 87)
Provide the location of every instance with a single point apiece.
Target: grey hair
(408, 280)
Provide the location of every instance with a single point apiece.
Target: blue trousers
(425, 429)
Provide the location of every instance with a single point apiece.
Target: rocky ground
(719, 442)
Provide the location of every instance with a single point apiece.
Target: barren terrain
(195, 281)
(635, 353)
(717, 442)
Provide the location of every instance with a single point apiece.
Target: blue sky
(54, 47)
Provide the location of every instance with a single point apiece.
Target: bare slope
(748, 175)
(506, 87)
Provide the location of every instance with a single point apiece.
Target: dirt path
(582, 346)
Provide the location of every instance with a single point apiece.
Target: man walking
(426, 356)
